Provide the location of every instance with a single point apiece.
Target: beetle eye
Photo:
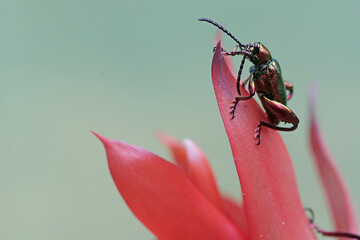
(256, 48)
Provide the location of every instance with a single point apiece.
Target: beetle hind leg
(272, 126)
(278, 111)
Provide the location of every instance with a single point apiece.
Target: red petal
(201, 174)
(337, 194)
(195, 165)
(228, 60)
(236, 213)
(177, 149)
(271, 198)
(162, 197)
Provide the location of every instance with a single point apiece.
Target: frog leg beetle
(266, 80)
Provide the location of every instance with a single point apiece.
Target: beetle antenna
(221, 28)
(239, 75)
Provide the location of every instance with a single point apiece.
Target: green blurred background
(128, 69)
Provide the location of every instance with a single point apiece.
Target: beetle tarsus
(222, 49)
(257, 134)
(233, 108)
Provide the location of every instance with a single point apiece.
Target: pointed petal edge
(162, 197)
(336, 192)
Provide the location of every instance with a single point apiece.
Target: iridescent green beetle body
(266, 80)
(272, 77)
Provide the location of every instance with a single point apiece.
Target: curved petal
(337, 194)
(177, 150)
(271, 198)
(236, 213)
(193, 162)
(228, 61)
(201, 174)
(162, 197)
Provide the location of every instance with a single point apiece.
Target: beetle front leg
(290, 88)
(251, 89)
(281, 112)
(226, 53)
(233, 53)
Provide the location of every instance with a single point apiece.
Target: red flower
(183, 201)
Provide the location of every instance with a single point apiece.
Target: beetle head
(256, 52)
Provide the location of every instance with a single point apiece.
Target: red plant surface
(336, 192)
(182, 200)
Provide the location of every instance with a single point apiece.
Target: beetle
(266, 80)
